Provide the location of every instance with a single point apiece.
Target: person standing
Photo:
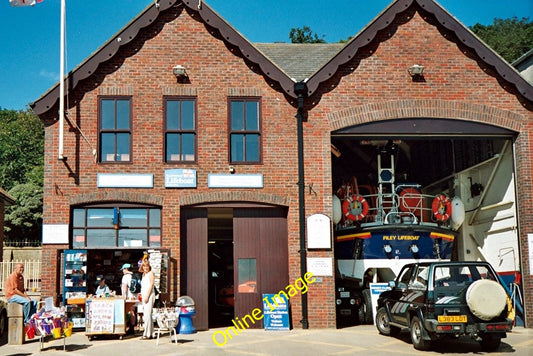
(126, 282)
(16, 293)
(148, 299)
(131, 318)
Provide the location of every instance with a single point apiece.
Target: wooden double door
(260, 258)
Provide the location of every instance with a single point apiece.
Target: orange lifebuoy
(442, 207)
(355, 207)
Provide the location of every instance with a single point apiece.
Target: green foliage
(24, 219)
(510, 38)
(22, 172)
(304, 35)
(21, 147)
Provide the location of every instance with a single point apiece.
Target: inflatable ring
(441, 207)
(355, 207)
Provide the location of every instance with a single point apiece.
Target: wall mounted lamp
(416, 70)
(179, 71)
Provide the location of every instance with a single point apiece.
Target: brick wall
(374, 86)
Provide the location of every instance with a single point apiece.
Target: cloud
(49, 75)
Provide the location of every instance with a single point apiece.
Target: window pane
(172, 115)
(101, 237)
(78, 238)
(155, 238)
(108, 114)
(252, 116)
(155, 218)
(108, 147)
(187, 115)
(173, 149)
(123, 146)
(237, 115)
(237, 148)
(132, 238)
(123, 114)
(247, 275)
(99, 217)
(252, 148)
(133, 218)
(78, 218)
(187, 146)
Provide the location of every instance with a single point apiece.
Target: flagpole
(61, 80)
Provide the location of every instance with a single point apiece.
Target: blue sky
(29, 56)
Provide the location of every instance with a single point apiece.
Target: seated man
(16, 293)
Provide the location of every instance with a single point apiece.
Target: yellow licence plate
(451, 318)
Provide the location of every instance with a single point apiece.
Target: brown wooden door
(260, 256)
(196, 264)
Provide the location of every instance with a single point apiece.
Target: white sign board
(124, 180)
(530, 248)
(55, 233)
(235, 180)
(375, 291)
(318, 232)
(320, 266)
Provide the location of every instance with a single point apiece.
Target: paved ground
(314, 342)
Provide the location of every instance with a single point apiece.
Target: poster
(276, 312)
(101, 314)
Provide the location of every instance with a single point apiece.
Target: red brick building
(205, 165)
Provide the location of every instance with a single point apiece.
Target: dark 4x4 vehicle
(440, 299)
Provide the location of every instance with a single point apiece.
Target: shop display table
(107, 316)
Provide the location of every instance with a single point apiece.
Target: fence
(32, 274)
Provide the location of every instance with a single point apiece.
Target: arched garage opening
(461, 159)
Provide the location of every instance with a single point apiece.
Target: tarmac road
(363, 339)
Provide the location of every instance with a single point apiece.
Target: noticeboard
(276, 312)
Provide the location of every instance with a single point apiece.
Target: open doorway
(220, 266)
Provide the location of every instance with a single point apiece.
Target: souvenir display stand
(106, 316)
(49, 322)
(75, 285)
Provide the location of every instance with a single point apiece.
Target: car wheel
(490, 342)
(3, 323)
(383, 323)
(367, 307)
(486, 299)
(416, 335)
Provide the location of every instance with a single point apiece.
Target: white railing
(32, 275)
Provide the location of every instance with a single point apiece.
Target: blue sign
(180, 178)
(276, 312)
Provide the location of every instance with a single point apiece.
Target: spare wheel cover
(486, 299)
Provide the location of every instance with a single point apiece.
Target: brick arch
(234, 196)
(425, 108)
(114, 195)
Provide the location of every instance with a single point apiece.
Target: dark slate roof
(274, 59)
(300, 60)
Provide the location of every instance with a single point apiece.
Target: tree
(510, 38)
(304, 35)
(22, 172)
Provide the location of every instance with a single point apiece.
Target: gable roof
(445, 19)
(286, 64)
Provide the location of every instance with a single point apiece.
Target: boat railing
(403, 208)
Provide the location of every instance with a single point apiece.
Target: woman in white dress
(148, 298)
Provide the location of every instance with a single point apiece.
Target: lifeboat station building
(233, 160)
